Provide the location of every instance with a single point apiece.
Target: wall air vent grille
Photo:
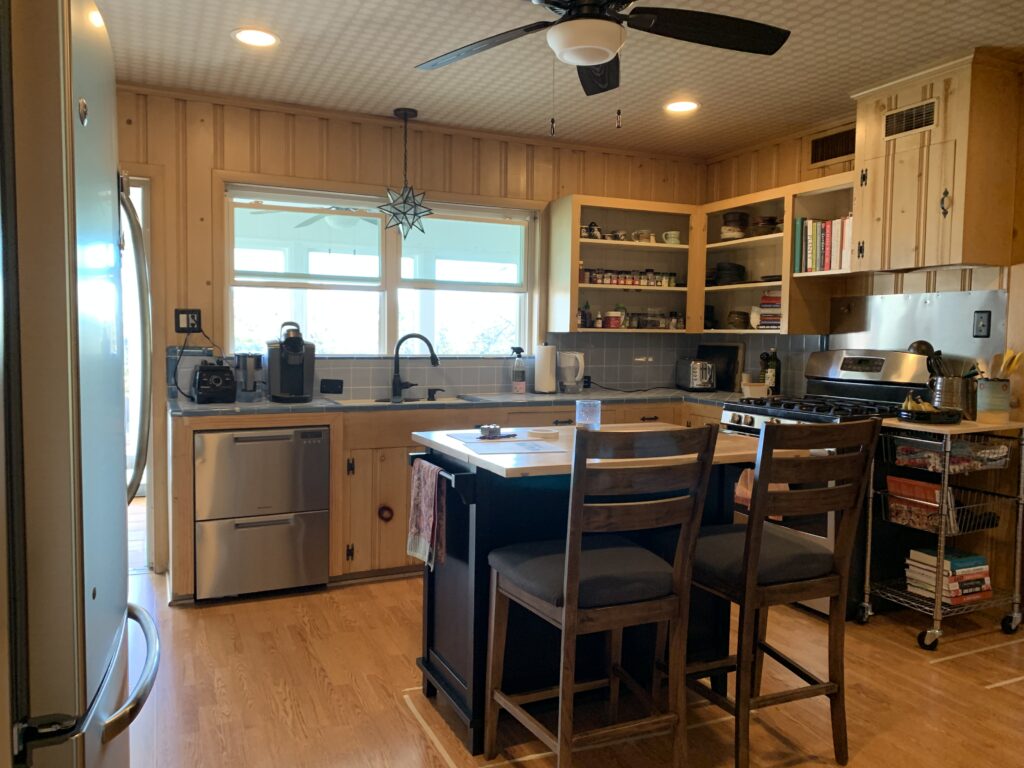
(833, 146)
(913, 118)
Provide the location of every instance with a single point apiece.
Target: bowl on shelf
(738, 320)
(728, 273)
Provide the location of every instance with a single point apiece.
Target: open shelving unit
(805, 297)
(573, 258)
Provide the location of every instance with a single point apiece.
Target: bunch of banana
(915, 403)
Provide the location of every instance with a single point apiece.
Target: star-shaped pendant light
(405, 209)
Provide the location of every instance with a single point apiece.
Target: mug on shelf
(643, 236)
(671, 237)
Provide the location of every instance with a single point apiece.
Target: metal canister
(949, 392)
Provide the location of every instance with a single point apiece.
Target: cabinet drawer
(542, 417)
(643, 414)
(256, 554)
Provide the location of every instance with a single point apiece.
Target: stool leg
(498, 626)
(660, 659)
(762, 633)
(566, 693)
(677, 688)
(744, 683)
(837, 701)
(614, 660)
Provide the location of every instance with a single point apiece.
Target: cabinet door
(391, 508)
(359, 510)
(903, 214)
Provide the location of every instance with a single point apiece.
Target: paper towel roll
(544, 380)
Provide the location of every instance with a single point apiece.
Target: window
(327, 263)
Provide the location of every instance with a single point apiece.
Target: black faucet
(397, 385)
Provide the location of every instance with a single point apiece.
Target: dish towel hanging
(426, 513)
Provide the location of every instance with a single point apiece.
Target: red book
(828, 245)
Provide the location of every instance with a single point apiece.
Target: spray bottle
(518, 372)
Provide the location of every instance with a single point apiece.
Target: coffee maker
(290, 360)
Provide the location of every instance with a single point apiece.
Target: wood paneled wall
(188, 144)
(773, 164)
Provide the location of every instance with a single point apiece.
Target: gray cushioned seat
(613, 571)
(785, 556)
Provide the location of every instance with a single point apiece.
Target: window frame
(391, 242)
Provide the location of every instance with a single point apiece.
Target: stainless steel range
(842, 385)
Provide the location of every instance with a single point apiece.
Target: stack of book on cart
(965, 575)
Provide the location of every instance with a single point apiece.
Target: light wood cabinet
(699, 415)
(541, 417)
(573, 257)
(936, 165)
(377, 508)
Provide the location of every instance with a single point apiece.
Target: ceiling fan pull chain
(618, 118)
(552, 97)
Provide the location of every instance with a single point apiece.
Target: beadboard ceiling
(358, 56)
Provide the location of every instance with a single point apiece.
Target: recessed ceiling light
(96, 18)
(257, 38)
(682, 106)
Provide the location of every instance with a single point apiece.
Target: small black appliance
(290, 362)
(213, 383)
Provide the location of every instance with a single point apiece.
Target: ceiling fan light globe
(586, 42)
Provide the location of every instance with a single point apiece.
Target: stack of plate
(727, 273)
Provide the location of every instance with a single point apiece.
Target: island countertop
(730, 449)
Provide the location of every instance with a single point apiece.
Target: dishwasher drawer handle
(387, 514)
(266, 523)
(262, 438)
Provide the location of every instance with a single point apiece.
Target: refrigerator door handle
(128, 711)
(146, 321)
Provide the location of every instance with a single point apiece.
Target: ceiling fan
(590, 33)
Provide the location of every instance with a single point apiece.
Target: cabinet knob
(386, 514)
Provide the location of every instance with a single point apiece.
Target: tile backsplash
(619, 361)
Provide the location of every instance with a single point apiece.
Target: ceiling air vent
(914, 118)
(833, 146)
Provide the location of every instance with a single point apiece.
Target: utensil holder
(993, 400)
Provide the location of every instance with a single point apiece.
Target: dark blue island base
(486, 511)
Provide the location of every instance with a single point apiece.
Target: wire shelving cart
(948, 453)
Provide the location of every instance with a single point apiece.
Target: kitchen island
(497, 499)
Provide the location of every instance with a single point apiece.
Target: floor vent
(833, 146)
(914, 118)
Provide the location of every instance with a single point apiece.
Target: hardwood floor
(328, 678)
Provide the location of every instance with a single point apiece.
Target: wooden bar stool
(598, 581)
(762, 564)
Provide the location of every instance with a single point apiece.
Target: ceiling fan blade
(709, 29)
(483, 45)
(600, 77)
(311, 220)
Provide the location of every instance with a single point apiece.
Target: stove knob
(736, 419)
(748, 421)
(774, 421)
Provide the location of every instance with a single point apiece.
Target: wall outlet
(982, 324)
(188, 321)
(586, 382)
(332, 386)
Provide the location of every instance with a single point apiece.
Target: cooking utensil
(921, 347)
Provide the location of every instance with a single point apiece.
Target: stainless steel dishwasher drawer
(254, 554)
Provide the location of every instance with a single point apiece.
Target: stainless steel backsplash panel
(944, 319)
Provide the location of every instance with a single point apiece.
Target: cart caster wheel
(1010, 624)
(922, 640)
(864, 614)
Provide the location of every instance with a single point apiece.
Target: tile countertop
(321, 404)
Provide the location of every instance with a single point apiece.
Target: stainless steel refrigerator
(64, 577)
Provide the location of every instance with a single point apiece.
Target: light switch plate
(188, 321)
(982, 324)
